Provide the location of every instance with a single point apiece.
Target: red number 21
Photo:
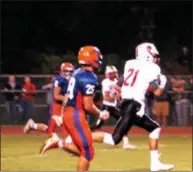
(132, 76)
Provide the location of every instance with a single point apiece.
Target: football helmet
(111, 72)
(66, 70)
(90, 55)
(147, 52)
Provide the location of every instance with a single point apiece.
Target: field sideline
(20, 152)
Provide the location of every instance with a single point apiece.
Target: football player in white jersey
(110, 97)
(138, 74)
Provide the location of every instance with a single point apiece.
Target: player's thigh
(77, 126)
(146, 123)
(115, 113)
(56, 109)
(126, 121)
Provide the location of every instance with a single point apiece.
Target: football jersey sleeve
(60, 84)
(154, 72)
(89, 86)
(56, 83)
(105, 85)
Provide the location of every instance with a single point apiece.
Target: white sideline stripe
(24, 156)
(99, 150)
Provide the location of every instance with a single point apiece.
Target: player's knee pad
(116, 138)
(155, 133)
(88, 153)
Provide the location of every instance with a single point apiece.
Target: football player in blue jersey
(81, 92)
(60, 86)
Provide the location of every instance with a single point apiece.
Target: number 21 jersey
(82, 83)
(137, 76)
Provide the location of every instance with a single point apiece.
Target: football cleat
(49, 143)
(28, 126)
(161, 167)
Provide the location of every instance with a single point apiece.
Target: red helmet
(66, 70)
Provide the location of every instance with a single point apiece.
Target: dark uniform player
(137, 76)
(109, 95)
(110, 101)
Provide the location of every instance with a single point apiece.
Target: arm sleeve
(154, 73)
(105, 86)
(56, 83)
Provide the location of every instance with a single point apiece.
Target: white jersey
(108, 86)
(137, 76)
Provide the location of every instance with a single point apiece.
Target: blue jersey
(83, 83)
(63, 84)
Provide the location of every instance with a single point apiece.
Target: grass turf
(21, 153)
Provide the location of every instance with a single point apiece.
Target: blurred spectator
(182, 102)
(161, 106)
(49, 97)
(191, 99)
(12, 100)
(185, 59)
(29, 91)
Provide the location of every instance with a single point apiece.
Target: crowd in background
(19, 102)
(176, 105)
(175, 101)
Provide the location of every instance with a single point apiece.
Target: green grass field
(21, 153)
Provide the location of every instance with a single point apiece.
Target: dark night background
(30, 28)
